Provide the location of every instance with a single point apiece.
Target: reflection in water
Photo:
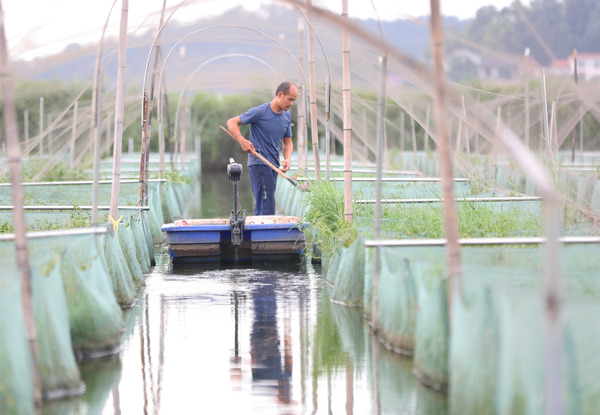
(264, 339)
(251, 341)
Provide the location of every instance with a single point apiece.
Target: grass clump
(421, 221)
(325, 214)
(176, 176)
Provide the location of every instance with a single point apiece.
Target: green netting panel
(140, 244)
(330, 264)
(155, 218)
(585, 188)
(148, 237)
(94, 314)
(125, 235)
(16, 374)
(155, 204)
(170, 205)
(521, 355)
(58, 369)
(595, 199)
(432, 334)
(347, 276)
(71, 194)
(398, 302)
(498, 340)
(45, 220)
(474, 349)
(405, 190)
(122, 281)
(298, 203)
(282, 194)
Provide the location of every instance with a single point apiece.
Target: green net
(397, 307)
(16, 373)
(94, 314)
(122, 280)
(498, 341)
(346, 274)
(141, 246)
(58, 369)
(128, 245)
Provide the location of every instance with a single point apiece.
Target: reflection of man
(270, 124)
(264, 341)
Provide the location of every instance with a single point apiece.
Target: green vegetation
(476, 219)
(58, 172)
(77, 219)
(326, 218)
(177, 176)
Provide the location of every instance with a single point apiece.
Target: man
(270, 124)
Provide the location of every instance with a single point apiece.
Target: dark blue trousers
(264, 181)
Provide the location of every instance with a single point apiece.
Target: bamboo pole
(14, 163)
(119, 109)
(41, 126)
(313, 95)
(96, 127)
(301, 92)
(414, 138)
(26, 125)
(402, 131)
(445, 156)
(96, 114)
(143, 149)
(347, 109)
(467, 145)
(73, 135)
(379, 156)
(545, 114)
(527, 120)
(459, 135)
(574, 133)
(327, 127)
(427, 122)
(157, 56)
(553, 132)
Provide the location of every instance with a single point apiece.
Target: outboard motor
(236, 222)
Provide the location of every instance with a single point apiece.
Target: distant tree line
(550, 28)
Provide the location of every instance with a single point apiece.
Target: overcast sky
(36, 27)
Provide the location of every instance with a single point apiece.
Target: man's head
(285, 95)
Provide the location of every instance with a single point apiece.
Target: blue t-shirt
(267, 129)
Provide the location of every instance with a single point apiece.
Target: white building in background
(588, 66)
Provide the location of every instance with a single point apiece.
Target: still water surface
(240, 340)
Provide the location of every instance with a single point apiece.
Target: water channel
(246, 340)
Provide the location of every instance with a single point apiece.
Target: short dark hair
(284, 87)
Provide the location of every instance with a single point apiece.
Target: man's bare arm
(233, 125)
(288, 148)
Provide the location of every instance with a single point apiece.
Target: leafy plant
(325, 214)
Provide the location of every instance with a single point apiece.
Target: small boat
(264, 239)
(237, 239)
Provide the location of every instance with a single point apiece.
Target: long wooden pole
(574, 133)
(119, 109)
(347, 110)
(445, 156)
(313, 95)
(379, 156)
(14, 164)
(73, 135)
(157, 57)
(301, 91)
(527, 121)
(96, 114)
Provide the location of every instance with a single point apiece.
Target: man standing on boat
(270, 125)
